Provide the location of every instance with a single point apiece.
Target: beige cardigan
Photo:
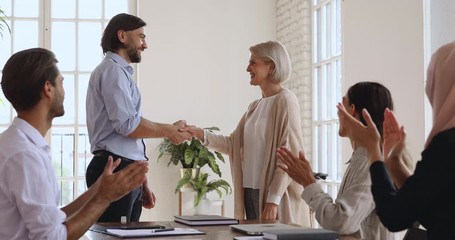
(283, 129)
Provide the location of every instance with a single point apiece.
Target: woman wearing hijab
(426, 195)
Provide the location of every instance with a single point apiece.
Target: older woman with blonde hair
(261, 190)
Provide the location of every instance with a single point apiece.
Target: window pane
(81, 187)
(316, 95)
(323, 93)
(63, 9)
(5, 46)
(89, 9)
(316, 144)
(69, 103)
(25, 35)
(62, 147)
(6, 7)
(66, 191)
(63, 41)
(316, 34)
(84, 156)
(82, 94)
(26, 8)
(115, 7)
(90, 52)
(323, 34)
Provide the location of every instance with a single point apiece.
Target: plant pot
(204, 206)
(194, 172)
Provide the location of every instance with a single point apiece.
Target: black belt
(106, 154)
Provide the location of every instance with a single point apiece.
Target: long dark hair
(372, 96)
(122, 21)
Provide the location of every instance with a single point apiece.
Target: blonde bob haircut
(275, 52)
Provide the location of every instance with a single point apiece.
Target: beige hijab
(440, 89)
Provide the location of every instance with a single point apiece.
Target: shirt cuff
(206, 140)
(272, 198)
(311, 190)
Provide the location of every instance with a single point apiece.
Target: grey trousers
(251, 199)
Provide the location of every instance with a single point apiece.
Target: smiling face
(259, 70)
(135, 44)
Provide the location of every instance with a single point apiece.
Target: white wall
(439, 31)
(383, 41)
(195, 69)
(442, 22)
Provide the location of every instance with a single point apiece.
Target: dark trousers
(251, 200)
(129, 205)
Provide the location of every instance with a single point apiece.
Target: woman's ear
(353, 111)
(271, 68)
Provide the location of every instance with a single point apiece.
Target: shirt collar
(118, 59)
(31, 132)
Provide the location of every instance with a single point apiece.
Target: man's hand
(196, 132)
(112, 186)
(298, 168)
(148, 197)
(175, 135)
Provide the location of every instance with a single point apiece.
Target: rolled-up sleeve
(118, 101)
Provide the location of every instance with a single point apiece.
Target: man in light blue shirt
(114, 118)
(29, 192)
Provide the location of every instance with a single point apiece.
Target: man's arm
(109, 187)
(149, 129)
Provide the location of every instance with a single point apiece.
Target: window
(327, 91)
(72, 29)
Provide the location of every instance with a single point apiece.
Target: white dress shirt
(29, 193)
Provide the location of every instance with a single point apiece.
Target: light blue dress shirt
(114, 109)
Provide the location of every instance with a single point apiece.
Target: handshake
(180, 131)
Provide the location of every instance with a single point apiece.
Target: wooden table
(222, 232)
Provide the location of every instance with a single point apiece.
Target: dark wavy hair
(122, 21)
(25, 74)
(372, 96)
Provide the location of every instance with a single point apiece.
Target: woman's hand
(298, 168)
(394, 138)
(270, 211)
(366, 136)
(196, 132)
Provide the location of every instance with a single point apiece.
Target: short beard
(133, 54)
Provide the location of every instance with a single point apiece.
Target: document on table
(249, 238)
(122, 233)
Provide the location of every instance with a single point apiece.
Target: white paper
(249, 238)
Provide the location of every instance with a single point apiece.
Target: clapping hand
(298, 168)
(367, 136)
(394, 138)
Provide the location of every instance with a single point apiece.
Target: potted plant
(191, 155)
(202, 186)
